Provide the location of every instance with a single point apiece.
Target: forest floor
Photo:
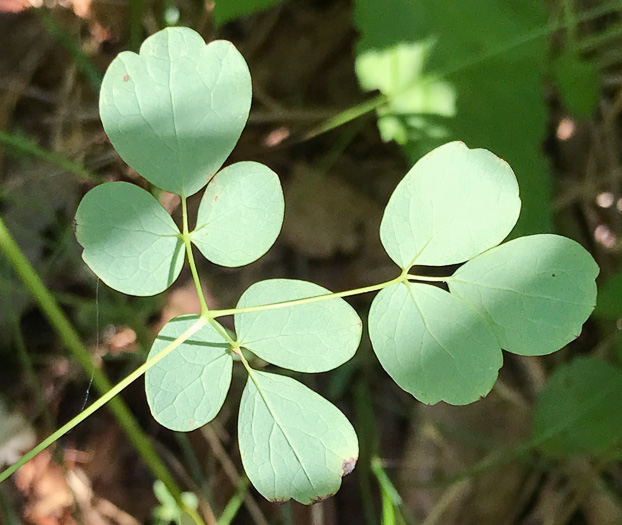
(449, 465)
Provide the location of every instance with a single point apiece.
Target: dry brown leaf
(42, 482)
(14, 6)
(124, 340)
(93, 509)
(82, 8)
(325, 216)
(181, 301)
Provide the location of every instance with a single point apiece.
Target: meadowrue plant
(174, 113)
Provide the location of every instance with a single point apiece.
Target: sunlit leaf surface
(453, 204)
(175, 111)
(433, 345)
(313, 337)
(294, 443)
(186, 389)
(536, 292)
(130, 241)
(240, 215)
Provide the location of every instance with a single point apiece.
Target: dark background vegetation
(536, 82)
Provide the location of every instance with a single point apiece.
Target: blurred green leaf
(175, 112)
(187, 388)
(579, 411)
(609, 304)
(579, 83)
(240, 215)
(294, 443)
(416, 99)
(536, 292)
(226, 10)
(488, 55)
(130, 241)
(169, 511)
(313, 337)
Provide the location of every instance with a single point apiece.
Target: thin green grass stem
(25, 145)
(67, 333)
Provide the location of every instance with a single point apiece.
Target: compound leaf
(240, 215)
(175, 111)
(313, 337)
(579, 410)
(129, 240)
(453, 204)
(186, 389)
(433, 345)
(293, 442)
(536, 292)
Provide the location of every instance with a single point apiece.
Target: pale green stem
(429, 278)
(307, 300)
(243, 360)
(190, 256)
(205, 311)
(115, 390)
(235, 503)
(69, 336)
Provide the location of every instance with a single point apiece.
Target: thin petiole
(115, 390)
(429, 278)
(190, 256)
(307, 300)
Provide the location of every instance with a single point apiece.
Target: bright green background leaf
(580, 409)
(187, 388)
(313, 337)
(579, 83)
(293, 442)
(226, 10)
(129, 240)
(536, 292)
(433, 345)
(470, 81)
(175, 112)
(418, 102)
(240, 215)
(453, 204)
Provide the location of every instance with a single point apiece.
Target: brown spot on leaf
(348, 466)
(126, 78)
(216, 197)
(554, 275)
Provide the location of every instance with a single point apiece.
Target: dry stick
(585, 477)
(445, 501)
(232, 473)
